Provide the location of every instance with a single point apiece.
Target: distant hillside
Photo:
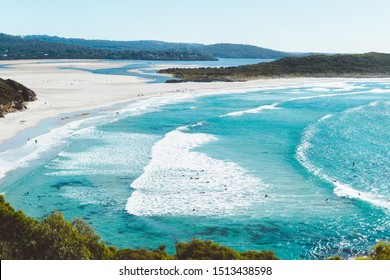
(144, 45)
(16, 47)
(216, 50)
(13, 96)
(356, 65)
(242, 51)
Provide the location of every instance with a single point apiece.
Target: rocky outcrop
(13, 96)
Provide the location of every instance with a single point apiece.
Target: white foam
(116, 154)
(188, 127)
(361, 107)
(348, 87)
(253, 111)
(320, 89)
(181, 181)
(34, 149)
(150, 104)
(301, 151)
(379, 90)
(344, 190)
(274, 106)
(341, 189)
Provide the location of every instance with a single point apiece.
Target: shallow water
(146, 69)
(302, 170)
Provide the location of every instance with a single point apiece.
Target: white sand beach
(64, 91)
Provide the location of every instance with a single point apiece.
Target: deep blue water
(303, 170)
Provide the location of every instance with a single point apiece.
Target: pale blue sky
(287, 25)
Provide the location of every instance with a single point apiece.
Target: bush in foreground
(207, 250)
(54, 238)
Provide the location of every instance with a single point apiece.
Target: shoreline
(77, 199)
(63, 91)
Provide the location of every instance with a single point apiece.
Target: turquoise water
(304, 171)
(146, 69)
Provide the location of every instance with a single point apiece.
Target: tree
(208, 250)
(381, 251)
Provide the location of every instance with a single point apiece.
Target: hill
(17, 47)
(215, 50)
(141, 45)
(340, 65)
(13, 96)
(242, 51)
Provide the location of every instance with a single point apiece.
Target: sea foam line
(112, 154)
(33, 150)
(341, 189)
(275, 105)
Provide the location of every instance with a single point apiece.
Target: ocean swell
(182, 182)
(342, 189)
(275, 105)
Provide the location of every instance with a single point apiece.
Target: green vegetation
(54, 238)
(242, 51)
(207, 250)
(216, 50)
(16, 47)
(13, 96)
(381, 251)
(346, 65)
(142, 45)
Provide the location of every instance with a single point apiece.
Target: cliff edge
(13, 96)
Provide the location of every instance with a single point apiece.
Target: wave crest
(181, 181)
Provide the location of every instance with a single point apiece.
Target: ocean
(301, 170)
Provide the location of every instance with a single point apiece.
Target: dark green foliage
(208, 250)
(142, 254)
(16, 232)
(143, 45)
(358, 65)
(216, 50)
(92, 241)
(16, 47)
(204, 250)
(242, 51)
(262, 255)
(380, 251)
(55, 238)
(24, 238)
(335, 258)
